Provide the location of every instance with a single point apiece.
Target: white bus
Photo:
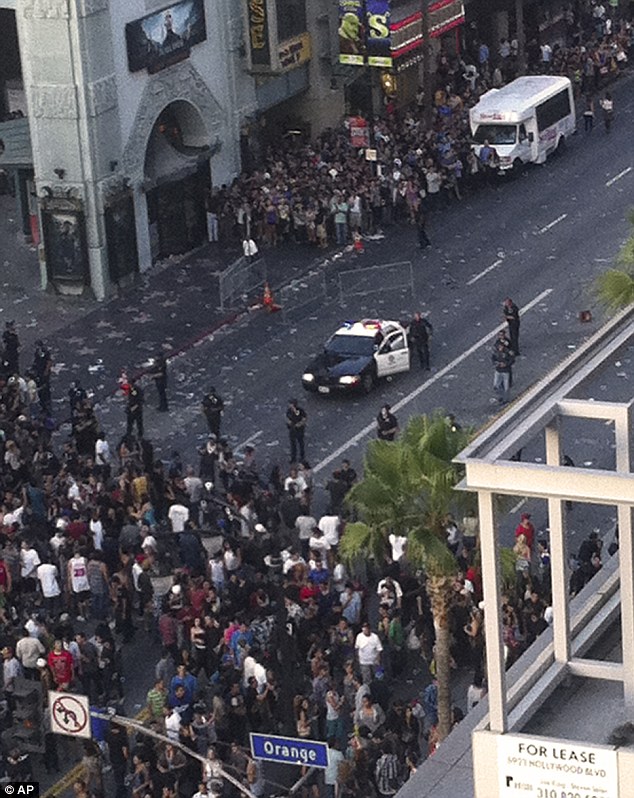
(524, 121)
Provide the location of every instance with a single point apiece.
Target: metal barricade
(239, 283)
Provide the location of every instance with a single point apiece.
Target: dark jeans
(297, 443)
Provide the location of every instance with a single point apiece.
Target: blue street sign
(289, 750)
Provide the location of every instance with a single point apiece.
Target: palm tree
(615, 287)
(408, 489)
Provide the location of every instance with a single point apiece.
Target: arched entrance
(177, 180)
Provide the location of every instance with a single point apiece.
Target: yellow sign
(294, 52)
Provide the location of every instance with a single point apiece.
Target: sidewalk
(171, 307)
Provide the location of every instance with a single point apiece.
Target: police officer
(420, 331)
(134, 410)
(386, 424)
(42, 366)
(212, 406)
(159, 375)
(11, 355)
(512, 317)
(296, 423)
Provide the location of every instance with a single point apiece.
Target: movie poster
(352, 32)
(165, 37)
(65, 245)
(377, 14)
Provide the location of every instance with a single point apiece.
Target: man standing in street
(420, 331)
(134, 409)
(296, 423)
(11, 344)
(512, 317)
(213, 406)
(502, 359)
(42, 366)
(423, 238)
(159, 375)
(368, 647)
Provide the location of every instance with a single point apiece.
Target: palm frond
(615, 288)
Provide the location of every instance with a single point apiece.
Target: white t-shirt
(318, 544)
(368, 648)
(47, 575)
(298, 482)
(398, 543)
(329, 525)
(78, 575)
(102, 452)
(178, 515)
(29, 560)
(96, 527)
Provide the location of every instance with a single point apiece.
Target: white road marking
(485, 271)
(517, 507)
(613, 180)
(249, 441)
(552, 224)
(424, 386)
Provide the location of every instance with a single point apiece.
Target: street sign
(289, 750)
(550, 768)
(70, 714)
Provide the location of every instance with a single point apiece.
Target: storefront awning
(15, 149)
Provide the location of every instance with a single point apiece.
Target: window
(291, 18)
(394, 344)
(552, 110)
(496, 134)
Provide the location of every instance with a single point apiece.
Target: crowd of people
(324, 192)
(263, 626)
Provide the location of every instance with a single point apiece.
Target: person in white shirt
(317, 542)
(178, 515)
(297, 480)
(368, 648)
(29, 560)
(330, 526)
(291, 561)
(102, 454)
(47, 575)
(96, 530)
(304, 526)
(28, 650)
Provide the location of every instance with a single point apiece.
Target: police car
(357, 355)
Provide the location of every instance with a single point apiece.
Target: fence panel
(302, 295)
(240, 281)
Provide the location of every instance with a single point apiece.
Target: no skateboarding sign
(70, 714)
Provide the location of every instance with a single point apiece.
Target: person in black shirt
(11, 343)
(134, 411)
(386, 424)
(213, 406)
(512, 316)
(420, 331)
(42, 365)
(296, 423)
(159, 375)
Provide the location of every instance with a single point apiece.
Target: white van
(524, 121)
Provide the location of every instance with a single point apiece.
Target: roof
(367, 328)
(16, 138)
(519, 96)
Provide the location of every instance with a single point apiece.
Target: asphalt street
(541, 239)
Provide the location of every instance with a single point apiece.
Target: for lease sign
(539, 767)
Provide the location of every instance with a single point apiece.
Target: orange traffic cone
(267, 300)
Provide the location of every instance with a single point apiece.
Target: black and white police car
(357, 355)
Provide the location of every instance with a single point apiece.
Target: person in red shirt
(60, 662)
(526, 528)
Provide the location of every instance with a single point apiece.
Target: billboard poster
(352, 32)
(65, 245)
(378, 33)
(165, 37)
(258, 23)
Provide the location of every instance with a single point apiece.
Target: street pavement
(541, 239)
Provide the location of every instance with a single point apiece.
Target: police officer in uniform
(386, 424)
(11, 355)
(42, 366)
(134, 410)
(296, 423)
(159, 375)
(420, 331)
(213, 406)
